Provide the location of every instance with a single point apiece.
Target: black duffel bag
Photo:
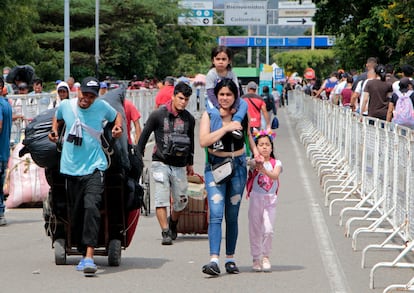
(36, 142)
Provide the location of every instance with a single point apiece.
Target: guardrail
(26, 107)
(366, 164)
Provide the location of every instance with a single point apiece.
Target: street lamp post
(97, 39)
(66, 40)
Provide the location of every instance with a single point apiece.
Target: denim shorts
(169, 180)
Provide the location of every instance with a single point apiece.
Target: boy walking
(172, 158)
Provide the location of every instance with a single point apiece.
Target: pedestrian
(221, 58)
(172, 158)
(269, 101)
(224, 197)
(83, 163)
(262, 194)
(400, 107)
(165, 93)
(256, 108)
(377, 94)
(346, 93)
(103, 88)
(62, 94)
(5, 135)
(132, 115)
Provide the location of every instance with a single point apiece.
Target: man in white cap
(83, 163)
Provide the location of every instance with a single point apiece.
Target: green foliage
(365, 28)
(322, 61)
(135, 36)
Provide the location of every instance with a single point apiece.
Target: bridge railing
(380, 156)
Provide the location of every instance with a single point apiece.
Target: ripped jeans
(224, 200)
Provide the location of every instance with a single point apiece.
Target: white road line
(333, 269)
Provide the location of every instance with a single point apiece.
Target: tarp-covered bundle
(36, 142)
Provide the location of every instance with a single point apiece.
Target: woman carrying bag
(225, 175)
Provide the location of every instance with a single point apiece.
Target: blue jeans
(224, 200)
(3, 167)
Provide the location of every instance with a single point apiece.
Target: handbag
(275, 123)
(223, 172)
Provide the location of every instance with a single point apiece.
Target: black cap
(90, 85)
(404, 82)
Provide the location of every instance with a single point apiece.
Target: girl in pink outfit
(262, 187)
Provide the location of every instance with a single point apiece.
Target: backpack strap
(257, 108)
(98, 135)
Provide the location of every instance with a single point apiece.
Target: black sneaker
(231, 268)
(166, 238)
(173, 228)
(211, 269)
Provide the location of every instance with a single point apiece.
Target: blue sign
(305, 41)
(279, 73)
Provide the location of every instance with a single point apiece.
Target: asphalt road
(310, 252)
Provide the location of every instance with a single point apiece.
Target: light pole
(66, 40)
(97, 39)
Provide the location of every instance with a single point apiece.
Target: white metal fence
(367, 165)
(26, 107)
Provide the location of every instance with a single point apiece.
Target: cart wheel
(147, 192)
(60, 251)
(114, 253)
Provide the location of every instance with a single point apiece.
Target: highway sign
(200, 13)
(296, 12)
(245, 13)
(296, 5)
(296, 21)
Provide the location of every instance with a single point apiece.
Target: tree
(365, 28)
(17, 43)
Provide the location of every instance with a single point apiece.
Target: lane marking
(330, 260)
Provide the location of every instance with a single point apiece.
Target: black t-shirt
(224, 144)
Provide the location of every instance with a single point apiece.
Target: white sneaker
(3, 221)
(266, 265)
(257, 267)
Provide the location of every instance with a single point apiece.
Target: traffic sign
(200, 13)
(296, 5)
(245, 13)
(296, 12)
(296, 21)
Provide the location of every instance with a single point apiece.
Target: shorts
(169, 180)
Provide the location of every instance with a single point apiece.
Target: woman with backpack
(269, 100)
(400, 107)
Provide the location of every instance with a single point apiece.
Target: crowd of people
(231, 130)
(378, 92)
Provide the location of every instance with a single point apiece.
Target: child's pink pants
(262, 212)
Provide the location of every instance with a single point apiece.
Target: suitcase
(194, 218)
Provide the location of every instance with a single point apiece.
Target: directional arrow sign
(303, 21)
(296, 21)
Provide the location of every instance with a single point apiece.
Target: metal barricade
(379, 156)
